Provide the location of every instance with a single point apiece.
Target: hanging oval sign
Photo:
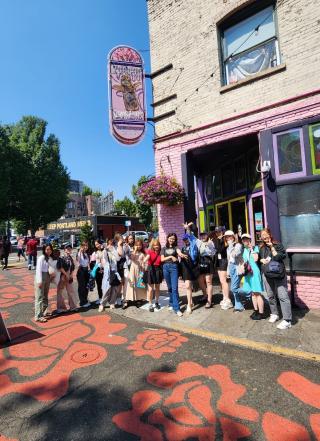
(126, 95)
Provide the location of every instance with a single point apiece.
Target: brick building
(237, 112)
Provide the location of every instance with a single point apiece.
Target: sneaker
(179, 313)
(189, 310)
(112, 306)
(258, 316)
(284, 325)
(170, 308)
(61, 311)
(157, 306)
(86, 305)
(33, 267)
(238, 310)
(226, 305)
(151, 308)
(101, 308)
(273, 318)
(29, 267)
(97, 302)
(254, 314)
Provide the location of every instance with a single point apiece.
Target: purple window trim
(303, 173)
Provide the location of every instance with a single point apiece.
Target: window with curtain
(250, 46)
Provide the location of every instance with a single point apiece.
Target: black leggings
(83, 279)
(99, 277)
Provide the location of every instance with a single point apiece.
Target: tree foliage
(86, 235)
(34, 179)
(125, 206)
(20, 227)
(87, 191)
(144, 211)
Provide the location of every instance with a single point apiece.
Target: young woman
(96, 258)
(66, 267)
(206, 252)
(111, 278)
(221, 267)
(154, 275)
(128, 248)
(272, 255)
(21, 248)
(252, 280)
(169, 258)
(189, 267)
(235, 269)
(83, 274)
(42, 283)
(136, 289)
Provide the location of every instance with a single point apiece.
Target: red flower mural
(157, 342)
(5, 316)
(13, 295)
(305, 391)
(183, 406)
(3, 438)
(50, 353)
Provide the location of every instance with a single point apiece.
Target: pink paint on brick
(307, 292)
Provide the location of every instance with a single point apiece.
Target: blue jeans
(235, 287)
(171, 275)
(32, 258)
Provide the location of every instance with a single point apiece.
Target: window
(250, 46)
(217, 187)
(208, 188)
(227, 180)
(299, 210)
(240, 174)
(289, 156)
(314, 132)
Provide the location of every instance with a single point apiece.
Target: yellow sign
(68, 225)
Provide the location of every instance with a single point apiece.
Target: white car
(138, 235)
(13, 240)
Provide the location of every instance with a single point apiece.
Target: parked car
(13, 240)
(138, 235)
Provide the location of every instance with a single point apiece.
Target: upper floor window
(249, 44)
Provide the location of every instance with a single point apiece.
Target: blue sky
(54, 65)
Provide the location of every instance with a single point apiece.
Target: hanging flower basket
(162, 189)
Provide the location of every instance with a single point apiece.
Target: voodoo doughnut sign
(126, 95)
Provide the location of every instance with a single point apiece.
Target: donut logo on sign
(126, 95)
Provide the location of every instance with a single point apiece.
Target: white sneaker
(101, 308)
(33, 267)
(273, 318)
(189, 310)
(170, 308)
(179, 313)
(284, 325)
(226, 305)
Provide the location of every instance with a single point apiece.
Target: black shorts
(206, 265)
(154, 275)
(189, 272)
(222, 264)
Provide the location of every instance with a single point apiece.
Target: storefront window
(254, 177)
(217, 187)
(289, 155)
(208, 188)
(314, 132)
(299, 209)
(240, 174)
(227, 180)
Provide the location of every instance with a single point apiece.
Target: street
(91, 376)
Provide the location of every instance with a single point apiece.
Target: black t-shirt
(167, 252)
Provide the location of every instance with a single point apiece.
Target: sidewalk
(237, 328)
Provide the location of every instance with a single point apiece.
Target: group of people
(127, 270)
(27, 248)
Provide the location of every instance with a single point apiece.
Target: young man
(5, 250)
(32, 252)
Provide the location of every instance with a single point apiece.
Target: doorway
(233, 215)
(256, 214)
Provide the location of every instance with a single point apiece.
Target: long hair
(44, 251)
(268, 231)
(140, 242)
(175, 240)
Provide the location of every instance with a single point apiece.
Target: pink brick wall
(307, 292)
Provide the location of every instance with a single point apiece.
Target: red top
(155, 258)
(32, 247)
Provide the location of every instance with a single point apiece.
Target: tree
(20, 227)
(86, 235)
(144, 211)
(86, 191)
(125, 206)
(39, 195)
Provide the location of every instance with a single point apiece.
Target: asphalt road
(91, 376)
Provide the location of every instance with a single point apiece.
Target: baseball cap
(185, 237)
(246, 236)
(229, 233)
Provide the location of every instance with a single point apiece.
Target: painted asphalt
(90, 376)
